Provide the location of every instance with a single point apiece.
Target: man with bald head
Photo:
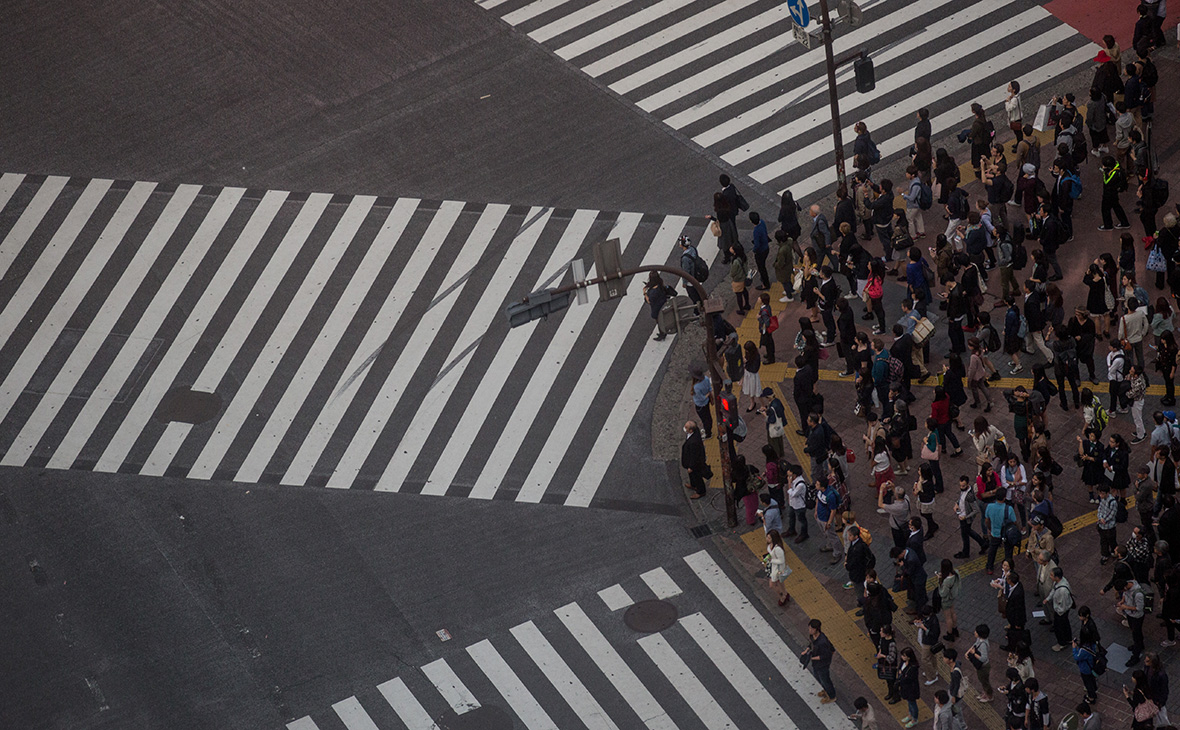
(821, 236)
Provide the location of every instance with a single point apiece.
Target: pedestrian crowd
(991, 278)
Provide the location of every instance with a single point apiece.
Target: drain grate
(700, 531)
(651, 617)
(186, 405)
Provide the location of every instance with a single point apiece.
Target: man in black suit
(803, 390)
(1016, 613)
(903, 349)
(858, 558)
(829, 293)
(692, 458)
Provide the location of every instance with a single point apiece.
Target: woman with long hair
(875, 295)
(752, 380)
(777, 558)
(737, 277)
(1117, 462)
(949, 585)
(726, 218)
(978, 372)
(788, 216)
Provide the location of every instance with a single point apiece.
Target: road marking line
(414, 351)
(30, 218)
(408, 280)
(620, 27)
(483, 400)
(234, 337)
(544, 375)
(643, 46)
(431, 407)
(450, 686)
(33, 283)
(9, 184)
(815, 601)
(691, 689)
(739, 675)
(303, 723)
(620, 416)
(510, 687)
(974, 74)
(661, 583)
(616, 670)
(407, 707)
(96, 332)
(615, 597)
(796, 125)
(593, 374)
(241, 405)
(324, 347)
(353, 715)
(1063, 65)
(163, 378)
(532, 10)
(575, 19)
(562, 677)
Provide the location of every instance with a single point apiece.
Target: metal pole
(831, 63)
(710, 356)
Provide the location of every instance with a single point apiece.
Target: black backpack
(1054, 524)
(1019, 256)
(1159, 192)
(700, 270)
(1149, 75)
(958, 203)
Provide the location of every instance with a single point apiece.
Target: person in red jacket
(940, 411)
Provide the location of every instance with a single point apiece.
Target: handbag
(1146, 710)
(715, 228)
(922, 330)
(850, 456)
(775, 429)
(886, 671)
(1002, 604)
(1155, 260)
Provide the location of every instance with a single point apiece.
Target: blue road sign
(799, 12)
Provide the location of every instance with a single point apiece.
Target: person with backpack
(958, 206)
(917, 195)
(1098, 121)
(1067, 187)
(998, 515)
(1113, 183)
(864, 151)
(691, 262)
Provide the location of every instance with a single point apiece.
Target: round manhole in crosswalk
(651, 617)
(484, 717)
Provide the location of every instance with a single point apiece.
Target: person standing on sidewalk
(912, 573)
(913, 199)
(979, 656)
(702, 399)
(692, 458)
(779, 570)
(797, 500)
(1131, 606)
(1157, 680)
(908, 687)
(827, 505)
(1086, 650)
(784, 264)
(1113, 183)
(819, 655)
(1060, 601)
(966, 509)
(760, 245)
(858, 558)
(1014, 112)
(767, 324)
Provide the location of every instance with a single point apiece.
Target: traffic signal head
(729, 411)
(865, 80)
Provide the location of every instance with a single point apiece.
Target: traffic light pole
(835, 102)
(710, 355)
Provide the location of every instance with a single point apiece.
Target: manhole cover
(484, 717)
(186, 405)
(651, 617)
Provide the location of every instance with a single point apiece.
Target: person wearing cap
(1040, 538)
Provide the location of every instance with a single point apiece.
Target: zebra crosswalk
(352, 341)
(721, 665)
(729, 75)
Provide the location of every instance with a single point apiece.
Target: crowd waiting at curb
(991, 277)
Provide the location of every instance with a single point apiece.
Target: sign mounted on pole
(799, 12)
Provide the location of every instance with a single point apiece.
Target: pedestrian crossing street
(729, 75)
(353, 341)
(721, 665)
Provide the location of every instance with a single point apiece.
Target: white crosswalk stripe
(731, 76)
(351, 341)
(583, 662)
